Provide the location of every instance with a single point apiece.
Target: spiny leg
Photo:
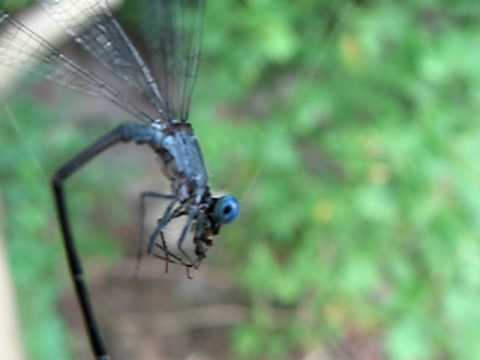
(165, 259)
(169, 255)
(164, 249)
(153, 240)
(162, 222)
(142, 211)
(166, 254)
(176, 261)
(124, 133)
(183, 235)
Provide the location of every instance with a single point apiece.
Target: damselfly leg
(182, 257)
(143, 198)
(168, 256)
(181, 240)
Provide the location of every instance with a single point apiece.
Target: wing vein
(23, 49)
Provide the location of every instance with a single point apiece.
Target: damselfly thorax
(182, 160)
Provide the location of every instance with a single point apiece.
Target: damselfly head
(186, 237)
(226, 209)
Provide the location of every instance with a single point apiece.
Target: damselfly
(162, 119)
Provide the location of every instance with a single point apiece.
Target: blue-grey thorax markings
(182, 160)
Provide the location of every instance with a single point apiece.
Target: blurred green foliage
(32, 257)
(348, 130)
(353, 139)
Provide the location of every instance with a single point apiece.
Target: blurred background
(348, 129)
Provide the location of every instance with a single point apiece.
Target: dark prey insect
(162, 119)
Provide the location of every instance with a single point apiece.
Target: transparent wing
(24, 51)
(105, 39)
(174, 30)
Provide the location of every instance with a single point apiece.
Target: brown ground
(168, 317)
(158, 315)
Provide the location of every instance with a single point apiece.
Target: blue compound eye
(227, 209)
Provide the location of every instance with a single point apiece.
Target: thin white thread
(15, 125)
